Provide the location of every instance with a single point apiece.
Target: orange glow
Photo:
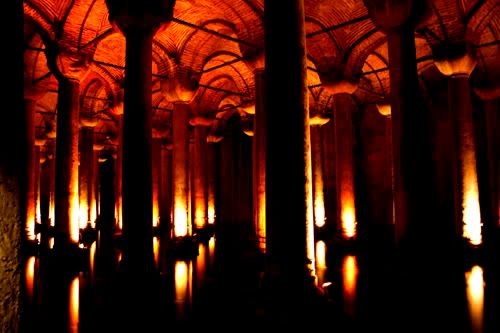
(320, 262)
(52, 212)
(348, 219)
(470, 203)
(74, 305)
(201, 264)
(156, 206)
(51, 242)
(211, 251)
(156, 250)
(93, 212)
(319, 210)
(211, 213)
(475, 297)
(180, 220)
(309, 201)
(30, 224)
(199, 218)
(119, 257)
(74, 215)
(30, 276)
(350, 276)
(183, 279)
(84, 209)
(92, 260)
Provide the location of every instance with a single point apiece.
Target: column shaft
(156, 163)
(66, 173)
(288, 205)
(180, 174)
(86, 177)
(211, 183)
(317, 166)
(136, 164)
(166, 187)
(29, 116)
(119, 177)
(199, 166)
(259, 161)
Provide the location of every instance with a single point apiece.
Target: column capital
(145, 15)
(180, 88)
(454, 59)
(88, 120)
(67, 65)
(341, 86)
(248, 107)
(488, 93)
(318, 120)
(390, 15)
(159, 132)
(384, 109)
(201, 121)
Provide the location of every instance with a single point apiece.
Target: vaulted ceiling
(220, 41)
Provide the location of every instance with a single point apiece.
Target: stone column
(259, 160)
(199, 166)
(180, 90)
(415, 204)
(119, 176)
(458, 67)
(166, 186)
(29, 117)
(211, 184)
(317, 167)
(138, 21)
(157, 166)
(70, 70)
(289, 222)
(87, 175)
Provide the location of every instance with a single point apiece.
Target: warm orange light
(201, 264)
(211, 213)
(350, 276)
(309, 204)
(320, 262)
(51, 242)
(156, 250)
(30, 276)
(52, 212)
(30, 224)
(180, 220)
(93, 211)
(74, 305)
(199, 218)
(183, 279)
(75, 218)
(119, 257)
(211, 251)
(470, 203)
(92, 260)
(348, 220)
(84, 209)
(156, 208)
(475, 297)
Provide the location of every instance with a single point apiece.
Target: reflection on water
(350, 277)
(475, 297)
(320, 262)
(183, 283)
(156, 251)
(201, 264)
(30, 277)
(74, 304)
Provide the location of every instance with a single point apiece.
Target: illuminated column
(166, 185)
(180, 154)
(180, 90)
(70, 70)
(259, 161)
(211, 169)
(119, 176)
(458, 69)
(138, 22)
(415, 204)
(317, 168)
(156, 167)
(344, 141)
(289, 222)
(86, 174)
(385, 110)
(199, 166)
(52, 181)
(29, 117)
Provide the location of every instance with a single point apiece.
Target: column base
(89, 235)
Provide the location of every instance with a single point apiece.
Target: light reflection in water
(183, 279)
(475, 297)
(350, 276)
(74, 305)
(92, 260)
(201, 264)
(30, 277)
(156, 251)
(211, 251)
(320, 262)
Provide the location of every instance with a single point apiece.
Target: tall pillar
(317, 167)
(29, 117)
(166, 185)
(468, 218)
(289, 223)
(138, 22)
(211, 183)
(86, 174)
(259, 160)
(156, 165)
(199, 166)
(119, 176)
(415, 204)
(180, 90)
(70, 70)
